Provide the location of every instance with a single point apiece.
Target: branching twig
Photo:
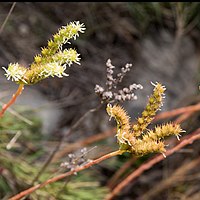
(52, 155)
(112, 182)
(83, 143)
(126, 165)
(61, 176)
(178, 175)
(147, 165)
(108, 133)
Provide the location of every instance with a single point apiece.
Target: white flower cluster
(15, 72)
(52, 61)
(68, 56)
(78, 27)
(53, 69)
(71, 31)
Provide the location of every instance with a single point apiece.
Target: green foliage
(12, 123)
(146, 14)
(20, 165)
(80, 188)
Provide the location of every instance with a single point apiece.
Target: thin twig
(178, 111)
(61, 176)
(83, 143)
(147, 165)
(183, 117)
(113, 181)
(7, 17)
(18, 115)
(12, 100)
(178, 175)
(52, 155)
(108, 133)
(180, 23)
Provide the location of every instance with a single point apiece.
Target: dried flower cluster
(110, 93)
(76, 160)
(138, 139)
(52, 61)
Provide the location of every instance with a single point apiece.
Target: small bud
(37, 59)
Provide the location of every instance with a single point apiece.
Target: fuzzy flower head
(52, 60)
(68, 56)
(15, 72)
(138, 139)
(75, 28)
(53, 69)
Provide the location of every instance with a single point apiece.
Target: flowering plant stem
(12, 100)
(147, 165)
(61, 176)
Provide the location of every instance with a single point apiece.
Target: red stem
(177, 111)
(12, 100)
(61, 176)
(188, 140)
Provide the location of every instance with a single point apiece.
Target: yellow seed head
(154, 103)
(37, 59)
(145, 147)
(123, 124)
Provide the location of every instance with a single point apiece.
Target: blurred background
(161, 40)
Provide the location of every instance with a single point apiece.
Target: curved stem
(12, 100)
(61, 176)
(147, 165)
